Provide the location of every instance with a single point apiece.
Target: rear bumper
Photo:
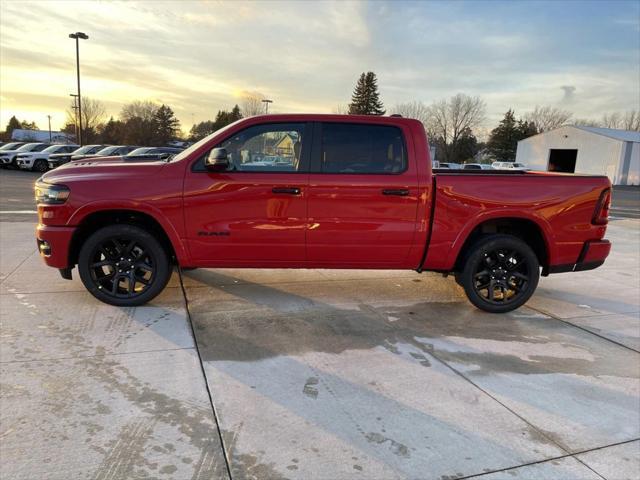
(593, 255)
(53, 244)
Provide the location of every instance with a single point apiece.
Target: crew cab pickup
(317, 191)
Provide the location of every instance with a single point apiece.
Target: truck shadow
(253, 321)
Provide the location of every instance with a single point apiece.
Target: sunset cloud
(199, 56)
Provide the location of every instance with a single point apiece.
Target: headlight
(51, 194)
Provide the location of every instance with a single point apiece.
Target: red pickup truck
(317, 191)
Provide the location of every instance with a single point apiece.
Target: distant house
(590, 150)
(23, 135)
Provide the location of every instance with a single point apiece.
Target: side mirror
(217, 160)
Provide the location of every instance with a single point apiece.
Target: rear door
(363, 196)
(253, 214)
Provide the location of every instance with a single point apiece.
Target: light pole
(75, 112)
(266, 102)
(77, 36)
(49, 117)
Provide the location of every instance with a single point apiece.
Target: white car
(8, 157)
(38, 161)
(476, 166)
(509, 166)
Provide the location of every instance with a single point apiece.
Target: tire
(500, 273)
(123, 265)
(40, 166)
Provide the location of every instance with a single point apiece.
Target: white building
(22, 135)
(591, 150)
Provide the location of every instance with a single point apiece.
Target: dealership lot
(316, 374)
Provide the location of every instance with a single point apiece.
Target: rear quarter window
(353, 148)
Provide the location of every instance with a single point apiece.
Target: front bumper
(24, 164)
(593, 255)
(53, 244)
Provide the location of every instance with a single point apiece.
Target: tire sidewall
(38, 163)
(490, 243)
(163, 267)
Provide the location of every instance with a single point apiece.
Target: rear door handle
(286, 190)
(400, 192)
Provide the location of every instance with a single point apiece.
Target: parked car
(357, 192)
(11, 146)
(57, 159)
(151, 153)
(38, 161)
(8, 157)
(509, 166)
(450, 166)
(476, 166)
(112, 150)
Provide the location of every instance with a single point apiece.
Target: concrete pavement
(319, 374)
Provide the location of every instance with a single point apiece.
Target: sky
(200, 57)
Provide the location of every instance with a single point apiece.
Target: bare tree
(631, 120)
(611, 120)
(417, 110)
(143, 109)
(547, 118)
(252, 104)
(340, 109)
(586, 122)
(449, 120)
(94, 113)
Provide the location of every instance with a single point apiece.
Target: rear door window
(360, 148)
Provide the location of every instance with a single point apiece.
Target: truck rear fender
(534, 231)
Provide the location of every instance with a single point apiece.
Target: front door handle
(286, 190)
(400, 192)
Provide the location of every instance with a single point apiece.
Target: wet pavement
(315, 374)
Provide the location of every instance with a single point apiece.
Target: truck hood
(105, 168)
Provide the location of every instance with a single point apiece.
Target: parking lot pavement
(93, 391)
(319, 374)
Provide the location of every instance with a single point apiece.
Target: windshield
(140, 151)
(107, 151)
(29, 147)
(85, 149)
(53, 149)
(10, 146)
(198, 144)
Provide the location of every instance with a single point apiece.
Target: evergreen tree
(112, 132)
(235, 114)
(167, 125)
(366, 98)
(503, 141)
(12, 125)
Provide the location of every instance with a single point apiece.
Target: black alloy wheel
(123, 265)
(500, 274)
(40, 166)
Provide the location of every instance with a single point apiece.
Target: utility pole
(266, 102)
(77, 36)
(49, 117)
(75, 112)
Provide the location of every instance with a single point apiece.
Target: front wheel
(123, 265)
(500, 273)
(40, 166)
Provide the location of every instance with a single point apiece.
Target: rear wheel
(500, 273)
(40, 166)
(123, 265)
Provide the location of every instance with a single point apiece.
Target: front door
(363, 198)
(254, 213)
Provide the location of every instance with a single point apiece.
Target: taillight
(601, 213)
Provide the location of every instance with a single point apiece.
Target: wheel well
(527, 230)
(97, 220)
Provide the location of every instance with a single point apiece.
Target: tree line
(451, 124)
